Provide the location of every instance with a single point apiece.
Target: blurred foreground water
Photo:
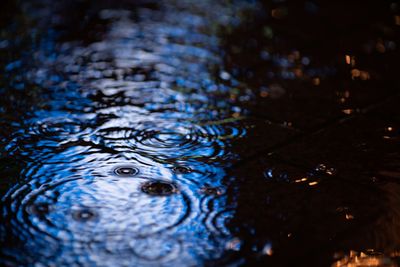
(196, 133)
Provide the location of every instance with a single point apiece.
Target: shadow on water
(199, 133)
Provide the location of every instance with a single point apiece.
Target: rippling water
(199, 133)
(125, 142)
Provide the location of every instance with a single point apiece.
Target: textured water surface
(196, 133)
(124, 146)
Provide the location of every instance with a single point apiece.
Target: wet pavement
(212, 133)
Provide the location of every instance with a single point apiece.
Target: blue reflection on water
(144, 96)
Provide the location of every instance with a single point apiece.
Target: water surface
(178, 133)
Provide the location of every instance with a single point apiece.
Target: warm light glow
(397, 20)
(358, 259)
(316, 81)
(355, 73)
(236, 115)
(330, 171)
(301, 180)
(287, 124)
(363, 75)
(298, 72)
(267, 250)
(347, 111)
(380, 47)
(348, 59)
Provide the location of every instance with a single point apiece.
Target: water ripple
(124, 149)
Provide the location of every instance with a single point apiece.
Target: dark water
(199, 133)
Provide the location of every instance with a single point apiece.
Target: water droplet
(126, 171)
(84, 215)
(39, 209)
(159, 188)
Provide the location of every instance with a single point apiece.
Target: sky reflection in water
(143, 97)
(212, 133)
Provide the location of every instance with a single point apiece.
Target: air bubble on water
(159, 188)
(126, 171)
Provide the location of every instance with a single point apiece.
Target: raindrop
(159, 188)
(83, 215)
(39, 209)
(126, 171)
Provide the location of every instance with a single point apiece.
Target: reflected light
(347, 111)
(316, 81)
(350, 60)
(380, 47)
(301, 180)
(397, 20)
(363, 75)
(267, 249)
(347, 57)
(365, 259)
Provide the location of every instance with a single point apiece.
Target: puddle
(184, 133)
